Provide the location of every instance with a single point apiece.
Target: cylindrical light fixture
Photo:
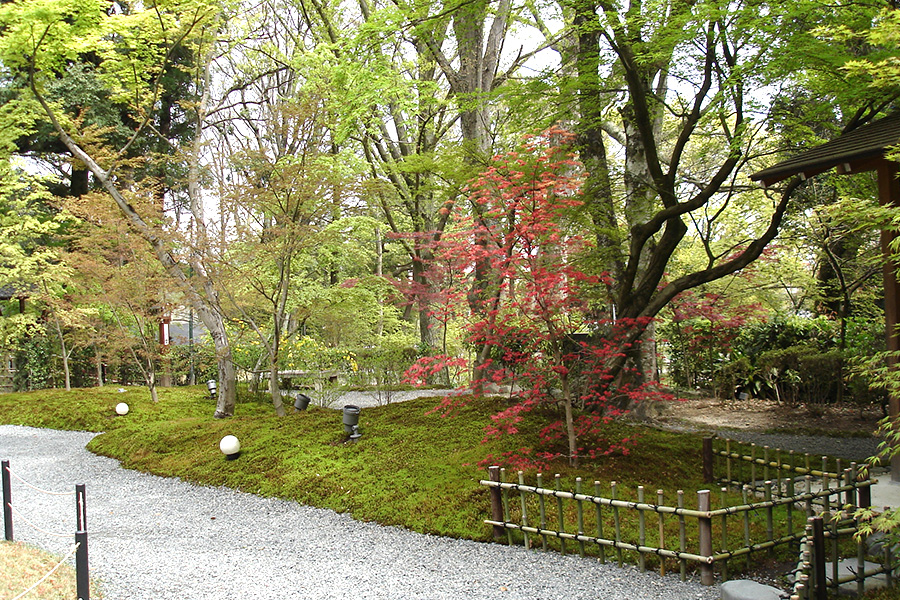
(211, 386)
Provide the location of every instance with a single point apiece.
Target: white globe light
(121, 408)
(229, 445)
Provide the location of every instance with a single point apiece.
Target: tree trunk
(99, 361)
(275, 391)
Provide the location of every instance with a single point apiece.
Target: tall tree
(674, 88)
(132, 52)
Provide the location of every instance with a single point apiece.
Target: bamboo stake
(705, 526)
(790, 507)
(724, 503)
(778, 469)
(543, 511)
(770, 516)
(753, 465)
(580, 515)
(826, 501)
(509, 535)
(808, 479)
(524, 511)
(728, 460)
(642, 538)
(618, 528)
(766, 465)
(662, 533)
(559, 508)
(682, 537)
(599, 522)
(744, 494)
(861, 566)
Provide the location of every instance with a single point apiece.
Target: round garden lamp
(121, 409)
(230, 447)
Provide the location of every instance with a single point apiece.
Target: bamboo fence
(732, 522)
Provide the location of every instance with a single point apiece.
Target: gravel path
(851, 448)
(157, 538)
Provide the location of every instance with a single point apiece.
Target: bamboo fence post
(808, 480)
(496, 502)
(789, 486)
(642, 532)
(792, 463)
(745, 493)
(613, 494)
(559, 509)
(820, 584)
(708, 460)
(724, 503)
(599, 522)
(835, 549)
(682, 537)
(826, 500)
(543, 511)
(509, 533)
(854, 474)
(766, 465)
(806, 462)
(580, 516)
(707, 577)
(770, 517)
(865, 492)
(662, 533)
(523, 503)
(778, 469)
(861, 566)
(753, 465)
(728, 461)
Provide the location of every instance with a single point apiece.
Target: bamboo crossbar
(687, 512)
(596, 499)
(604, 542)
(878, 570)
(777, 464)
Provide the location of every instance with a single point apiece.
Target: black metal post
(7, 501)
(82, 578)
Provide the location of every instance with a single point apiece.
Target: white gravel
(157, 538)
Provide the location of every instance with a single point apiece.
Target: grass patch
(21, 566)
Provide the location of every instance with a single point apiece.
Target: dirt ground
(770, 416)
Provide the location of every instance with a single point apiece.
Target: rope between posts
(49, 573)
(27, 522)
(37, 489)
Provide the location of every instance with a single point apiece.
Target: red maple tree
(536, 318)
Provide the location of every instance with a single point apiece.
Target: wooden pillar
(889, 194)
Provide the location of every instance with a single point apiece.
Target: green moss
(412, 467)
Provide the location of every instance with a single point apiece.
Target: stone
(744, 589)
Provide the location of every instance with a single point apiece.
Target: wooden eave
(853, 152)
